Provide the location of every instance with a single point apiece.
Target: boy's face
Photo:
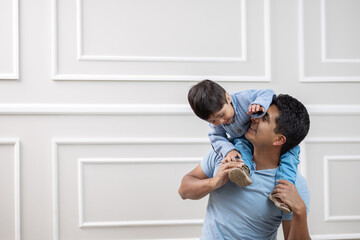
(225, 115)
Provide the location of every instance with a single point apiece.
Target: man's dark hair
(206, 98)
(293, 121)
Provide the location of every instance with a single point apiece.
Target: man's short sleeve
(209, 162)
(304, 193)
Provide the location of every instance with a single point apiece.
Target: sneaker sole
(280, 205)
(239, 177)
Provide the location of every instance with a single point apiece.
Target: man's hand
(297, 228)
(221, 176)
(254, 108)
(196, 184)
(232, 156)
(288, 193)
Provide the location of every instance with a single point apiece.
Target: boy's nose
(216, 123)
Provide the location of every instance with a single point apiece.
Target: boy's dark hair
(293, 121)
(206, 98)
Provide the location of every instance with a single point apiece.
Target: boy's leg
(287, 170)
(288, 165)
(241, 176)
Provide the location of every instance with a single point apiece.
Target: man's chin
(247, 135)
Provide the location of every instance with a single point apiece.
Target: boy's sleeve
(261, 97)
(219, 140)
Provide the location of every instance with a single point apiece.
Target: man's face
(225, 115)
(261, 131)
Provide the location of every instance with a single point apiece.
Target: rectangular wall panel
(92, 40)
(9, 48)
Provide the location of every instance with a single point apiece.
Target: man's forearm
(196, 184)
(299, 229)
(194, 188)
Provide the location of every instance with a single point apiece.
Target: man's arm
(196, 185)
(296, 228)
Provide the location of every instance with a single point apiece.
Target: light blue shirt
(221, 136)
(245, 213)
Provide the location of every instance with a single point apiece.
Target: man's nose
(254, 119)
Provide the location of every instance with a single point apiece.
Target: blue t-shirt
(245, 213)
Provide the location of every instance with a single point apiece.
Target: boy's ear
(279, 140)
(228, 97)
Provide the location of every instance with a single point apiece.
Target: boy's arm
(196, 185)
(219, 140)
(262, 97)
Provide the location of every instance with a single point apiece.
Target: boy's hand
(255, 108)
(232, 156)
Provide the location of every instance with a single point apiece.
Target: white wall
(95, 130)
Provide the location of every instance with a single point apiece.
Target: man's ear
(279, 140)
(228, 98)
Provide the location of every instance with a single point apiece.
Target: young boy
(229, 116)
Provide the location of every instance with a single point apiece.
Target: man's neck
(266, 158)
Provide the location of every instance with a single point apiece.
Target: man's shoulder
(303, 190)
(300, 180)
(209, 163)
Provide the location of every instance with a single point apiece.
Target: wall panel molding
(94, 109)
(166, 222)
(86, 57)
(104, 141)
(303, 160)
(324, 57)
(303, 77)
(16, 144)
(336, 236)
(328, 217)
(15, 41)
(172, 78)
(144, 109)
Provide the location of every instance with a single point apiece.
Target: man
(247, 213)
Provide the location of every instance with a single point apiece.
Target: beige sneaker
(240, 176)
(280, 204)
